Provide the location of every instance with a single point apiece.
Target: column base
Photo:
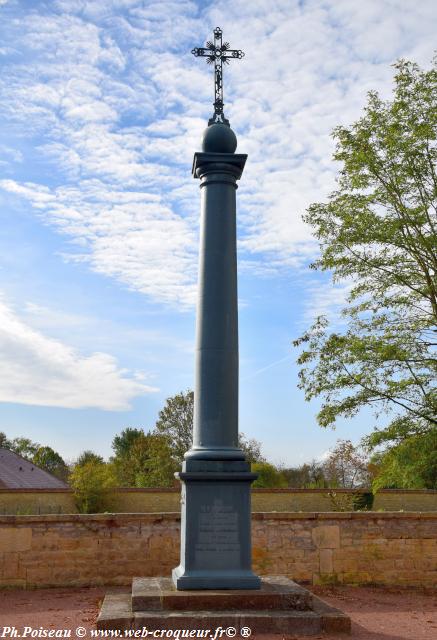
(215, 526)
(185, 580)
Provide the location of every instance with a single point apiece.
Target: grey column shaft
(216, 388)
(216, 479)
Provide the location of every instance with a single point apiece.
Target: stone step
(285, 622)
(276, 593)
(117, 614)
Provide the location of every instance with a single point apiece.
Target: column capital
(204, 162)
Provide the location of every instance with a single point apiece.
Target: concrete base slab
(285, 622)
(116, 612)
(280, 606)
(276, 592)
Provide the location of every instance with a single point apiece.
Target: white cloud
(39, 370)
(8, 152)
(130, 236)
(115, 98)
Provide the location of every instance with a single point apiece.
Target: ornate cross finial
(216, 53)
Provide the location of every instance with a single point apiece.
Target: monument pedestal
(278, 606)
(215, 534)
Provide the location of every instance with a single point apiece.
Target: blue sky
(102, 107)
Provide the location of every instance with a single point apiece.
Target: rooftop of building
(18, 473)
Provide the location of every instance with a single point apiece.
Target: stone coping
(292, 490)
(115, 490)
(175, 516)
(288, 490)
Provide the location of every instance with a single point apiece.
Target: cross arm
(232, 53)
(206, 52)
(202, 51)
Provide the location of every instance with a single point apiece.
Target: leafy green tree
(4, 442)
(90, 482)
(88, 456)
(51, 461)
(378, 233)
(411, 464)
(24, 447)
(175, 421)
(122, 443)
(269, 476)
(143, 459)
(151, 461)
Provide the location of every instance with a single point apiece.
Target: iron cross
(218, 53)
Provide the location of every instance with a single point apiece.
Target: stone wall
(36, 501)
(106, 549)
(395, 500)
(349, 548)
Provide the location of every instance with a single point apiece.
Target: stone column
(216, 479)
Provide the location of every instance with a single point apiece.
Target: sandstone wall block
(326, 536)
(15, 539)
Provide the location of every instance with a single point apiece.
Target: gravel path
(377, 613)
(385, 614)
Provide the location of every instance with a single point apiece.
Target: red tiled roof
(18, 473)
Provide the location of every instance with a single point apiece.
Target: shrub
(90, 483)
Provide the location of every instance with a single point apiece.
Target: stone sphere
(219, 138)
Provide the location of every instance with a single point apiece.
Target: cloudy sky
(102, 106)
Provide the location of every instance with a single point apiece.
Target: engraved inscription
(218, 529)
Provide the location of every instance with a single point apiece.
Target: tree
(88, 456)
(90, 483)
(307, 476)
(251, 448)
(4, 442)
(346, 467)
(24, 447)
(143, 459)
(412, 464)
(268, 476)
(378, 233)
(175, 421)
(151, 461)
(122, 443)
(51, 461)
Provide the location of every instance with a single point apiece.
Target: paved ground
(377, 613)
